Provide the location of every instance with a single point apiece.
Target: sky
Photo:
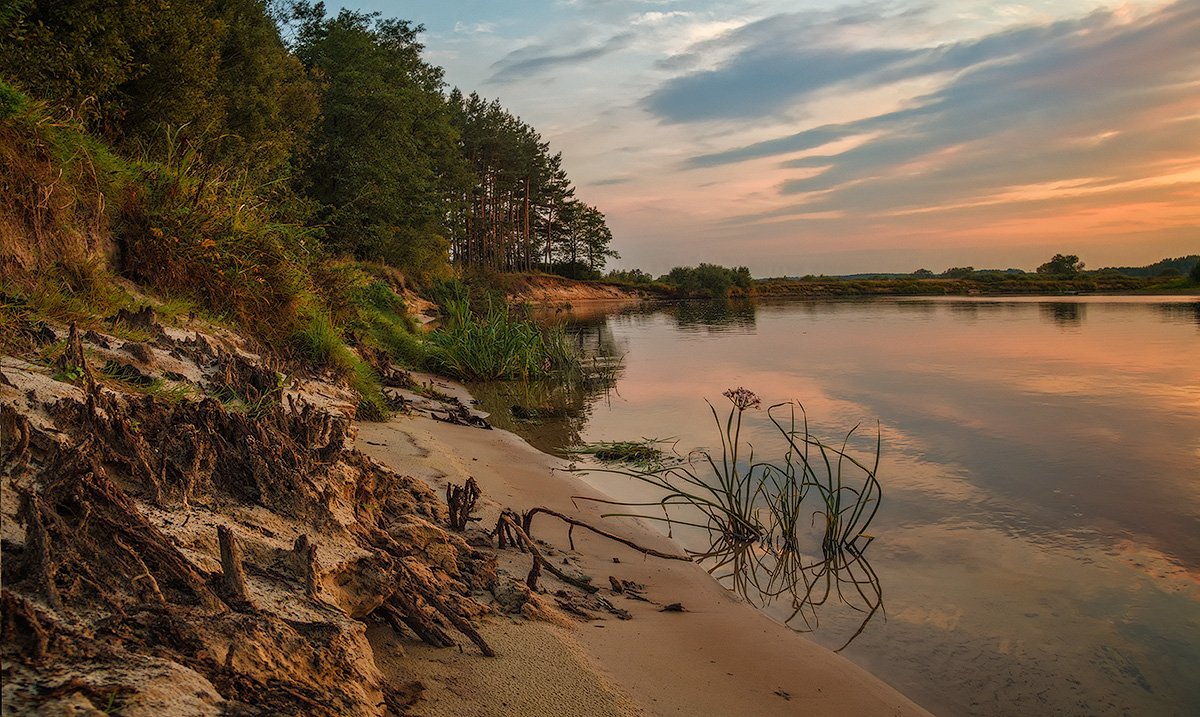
(822, 137)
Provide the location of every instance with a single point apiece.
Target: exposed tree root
(509, 530)
(102, 572)
(460, 500)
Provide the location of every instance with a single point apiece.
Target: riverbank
(719, 656)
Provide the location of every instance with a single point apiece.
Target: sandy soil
(719, 657)
(553, 290)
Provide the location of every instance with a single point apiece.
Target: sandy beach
(719, 656)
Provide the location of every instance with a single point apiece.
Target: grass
(644, 454)
(498, 344)
(758, 514)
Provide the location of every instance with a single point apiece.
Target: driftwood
(509, 525)
(527, 524)
(461, 502)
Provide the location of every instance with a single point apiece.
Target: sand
(719, 657)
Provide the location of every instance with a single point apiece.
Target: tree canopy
(1061, 264)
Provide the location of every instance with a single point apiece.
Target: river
(1037, 546)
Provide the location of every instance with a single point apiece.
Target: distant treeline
(1061, 274)
(336, 123)
(703, 281)
(1058, 265)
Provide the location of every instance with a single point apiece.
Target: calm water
(1039, 540)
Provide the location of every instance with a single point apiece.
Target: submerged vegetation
(644, 454)
(758, 514)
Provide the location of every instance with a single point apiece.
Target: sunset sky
(820, 137)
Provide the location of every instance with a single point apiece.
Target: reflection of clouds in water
(1165, 571)
(1026, 626)
(1037, 482)
(940, 618)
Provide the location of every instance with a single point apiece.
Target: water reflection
(552, 413)
(1040, 540)
(1066, 314)
(713, 316)
(841, 580)
(1181, 312)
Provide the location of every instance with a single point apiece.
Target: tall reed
(755, 512)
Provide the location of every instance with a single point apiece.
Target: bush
(707, 280)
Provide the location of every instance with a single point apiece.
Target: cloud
(478, 28)
(787, 59)
(537, 59)
(1026, 111)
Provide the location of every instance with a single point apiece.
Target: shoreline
(721, 656)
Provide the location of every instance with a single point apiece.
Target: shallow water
(1038, 545)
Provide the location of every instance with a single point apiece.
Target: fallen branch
(527, 522)
(508, 520)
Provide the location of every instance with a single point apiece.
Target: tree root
(233, 574)
(21, 624)
(461, 502)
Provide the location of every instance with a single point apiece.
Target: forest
(331, 124)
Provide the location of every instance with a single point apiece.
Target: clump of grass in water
(642, 454)
(496, 344)
(754, 513)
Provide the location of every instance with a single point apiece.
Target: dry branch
(509, 520)
(527, 522)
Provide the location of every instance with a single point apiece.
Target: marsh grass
(498, 343)
(761, 515)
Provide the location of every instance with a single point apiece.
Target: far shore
(718, 657)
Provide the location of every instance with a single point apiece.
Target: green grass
(498, 344)
(644, 454)
(200, 239)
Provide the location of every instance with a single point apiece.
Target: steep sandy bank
(555, 290)
(719, 657)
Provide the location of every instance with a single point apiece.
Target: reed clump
(498, 343)
(794, 526)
